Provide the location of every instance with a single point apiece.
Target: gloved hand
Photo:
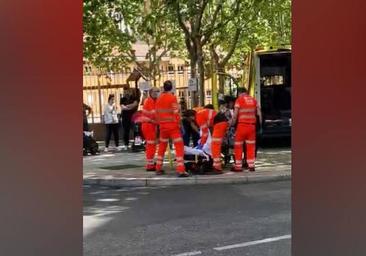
(199, 146)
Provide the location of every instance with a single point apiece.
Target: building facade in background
(97, 86)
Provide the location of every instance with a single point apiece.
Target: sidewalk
(127, 169)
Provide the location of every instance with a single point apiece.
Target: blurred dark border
(40, 128)
(40, 100)
(329, 135)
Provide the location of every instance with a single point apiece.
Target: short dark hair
(222, 102)
(189, 112)
(242, 90)
(209, 106)
(229, 99)
(168, 86)
(110, 97)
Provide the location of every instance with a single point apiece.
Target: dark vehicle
(271, 86)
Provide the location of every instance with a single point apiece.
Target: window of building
(208, 93)
(181, 94)
(180, 69)
(87, 69)
(170, 69)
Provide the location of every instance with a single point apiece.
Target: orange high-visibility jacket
(205, 117)
(148, 110)
(167, 109)
(247, 106)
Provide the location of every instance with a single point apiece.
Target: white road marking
(107, 200)
(91, 223)
(267, 240)
(188, 253)
(143, 193)
(131, 199)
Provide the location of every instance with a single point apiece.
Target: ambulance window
(272, 80)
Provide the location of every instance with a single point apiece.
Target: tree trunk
(251, 69)
(201, 71)
(221, 70)
(193, 62)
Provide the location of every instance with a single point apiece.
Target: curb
(195, 180)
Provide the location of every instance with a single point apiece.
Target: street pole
(100, 98)
(214, 93)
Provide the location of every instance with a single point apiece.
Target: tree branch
(134, 59)
(209, 32)
(200, 16)
(180, 20)
(232, 47)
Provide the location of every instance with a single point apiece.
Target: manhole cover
(120, 167)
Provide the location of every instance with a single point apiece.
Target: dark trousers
(112, 128)
(126, 125)
(190, 133)
(85, 125)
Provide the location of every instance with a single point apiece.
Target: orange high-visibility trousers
(244, 133)
(149, 132)
(170, 131)
(218, 134)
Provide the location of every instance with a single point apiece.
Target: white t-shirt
(110, 114)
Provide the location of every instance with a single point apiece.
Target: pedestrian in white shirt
(111, 123)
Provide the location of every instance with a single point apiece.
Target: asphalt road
(248, 219)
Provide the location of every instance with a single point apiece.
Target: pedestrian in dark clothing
(86, 109)
(190, 128)
(183, 105)
(129, 105)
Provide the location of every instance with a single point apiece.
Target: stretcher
(198, 160)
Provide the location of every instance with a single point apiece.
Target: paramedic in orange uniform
(149, 128)
(167, 114)
(246, 110)
(220, 127)
(204, 119)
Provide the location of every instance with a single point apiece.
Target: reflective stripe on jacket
(205, 117)
(148, 110)
(167, 110)
(247, 107)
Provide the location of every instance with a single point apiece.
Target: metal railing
(97, 88)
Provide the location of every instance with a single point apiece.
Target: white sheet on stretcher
(205, 151)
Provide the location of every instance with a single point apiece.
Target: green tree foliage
(198, 20)
(107, 37)
(159, 30)
(258, 23)
(111, 27)
(215, 32)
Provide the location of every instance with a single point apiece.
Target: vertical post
(100, 98)
(170, 155)
(214, 93)
(243, 78)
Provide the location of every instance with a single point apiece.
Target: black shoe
(161, 172)
(150, 169)
(252, 169)
(183, 174)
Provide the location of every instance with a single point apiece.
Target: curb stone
(195, 180)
